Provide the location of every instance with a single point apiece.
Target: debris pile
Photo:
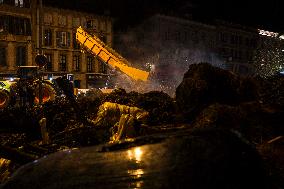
(207, 98)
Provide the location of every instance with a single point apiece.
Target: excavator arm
(108, 55)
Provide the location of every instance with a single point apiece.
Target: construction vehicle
(5, 93)
(25, 84)
(108, 55)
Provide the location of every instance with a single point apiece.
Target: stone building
(15, 35)
(20, 41)
(236, 45)
(171, 43)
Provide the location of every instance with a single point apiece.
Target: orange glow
(136, 173)
(45, 97)
(48, 93)
(3, 99)
(135, 154)
(97, 47)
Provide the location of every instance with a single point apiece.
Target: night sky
(267, 15)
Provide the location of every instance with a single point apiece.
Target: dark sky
(257, 13)
(266, 14)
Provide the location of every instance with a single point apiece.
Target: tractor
(24, 89)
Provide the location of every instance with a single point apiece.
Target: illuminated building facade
(15, 35)
(236, 46)
(241, 48)
(20, 41)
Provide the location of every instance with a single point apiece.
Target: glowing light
(136, 185)
(50, 79)
(138, 153)
(35, 161)
(152, 67)
(139, 184)
(136, 173)
(136, 176)
(11, 79)
(267, 33)
(268, 59)
(135, 154)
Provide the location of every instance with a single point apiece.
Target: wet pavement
(184, 159)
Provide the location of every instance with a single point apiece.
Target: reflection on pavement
(136, 155)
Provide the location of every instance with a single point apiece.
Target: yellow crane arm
(98, 48)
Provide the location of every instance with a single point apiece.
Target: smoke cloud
(167, 61)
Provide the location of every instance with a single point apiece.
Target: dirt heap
(210, 97)
(207, 98)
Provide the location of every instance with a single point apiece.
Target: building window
(89, 24)
(47, 18)
(76, 45)
(19, 26)
(27, 3)
(63, 39)
(240, 40)
(75, 22)
(223, 37)
(48, 66)
(90, 61)
(47, 37)
(19, 3)
(62, 63)
(21, 56)
(167, 35)
(76, 63)
(102, 67)
(62, 20)
(177, 36)
(15, 25)
(247, 42)
(92, 24)
(232, 39)
(3, 61)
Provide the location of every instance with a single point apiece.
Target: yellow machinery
(8, 90)
(48, 92)
(16, 89)
(5, 87)
(108, 55)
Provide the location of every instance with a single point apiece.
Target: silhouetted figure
(67, 87)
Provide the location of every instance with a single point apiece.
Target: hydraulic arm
(108, 55)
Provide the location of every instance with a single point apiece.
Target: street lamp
(40, 58)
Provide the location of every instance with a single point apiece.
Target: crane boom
(106, 54)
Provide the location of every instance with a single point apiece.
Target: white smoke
(166, 60)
